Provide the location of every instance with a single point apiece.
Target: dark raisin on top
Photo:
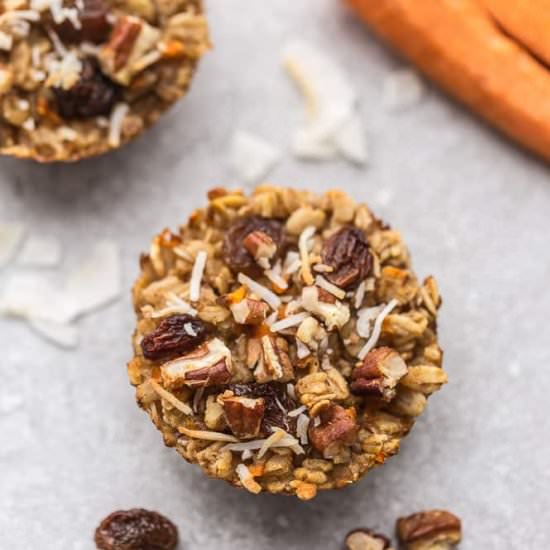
(176, 335)
(277, 404)
(347, 252)
(93, 95)
(94, 23)
(235, 254)
(136, 529)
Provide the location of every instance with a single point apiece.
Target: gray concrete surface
(475, 212)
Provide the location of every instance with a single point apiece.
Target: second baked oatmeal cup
(283, 342)
(82, 77)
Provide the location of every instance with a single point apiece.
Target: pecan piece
(347, 252)
(131, 40)
(277, 403)
(379, 374)
(273, 361)
(136, 529)
(338, 429)
(174, 336)
(208, 365)
(216, 375)
(249, 312)
(237, 254)
(430, 530)
(365, 539)
(261, 246)
(244, 415)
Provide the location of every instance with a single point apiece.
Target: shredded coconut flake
(274, 275)
(302, 424)
(207, 435)
(252, 158)
(403, 89)
(304, 245)
(332, 127)
(97, 281)
(377, 329)
(297, 412)
(118, 115)
(171, 398)
(273, 439)
(247, 479)
(196, 276)
(329, 287)
(290, 321)
(291, 391)
(40, 251)
(360, 294)
(11, 235)
(63, 335)
(302, 350)
(264, 293)
(6, 41)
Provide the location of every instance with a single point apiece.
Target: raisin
(274, 394)
(176, 335)
(136, 529)
(93, 95)
(347, 252)
(237, 256)
(94, 24)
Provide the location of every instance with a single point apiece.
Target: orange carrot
(458, 45)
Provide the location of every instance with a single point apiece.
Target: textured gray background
(475, 212)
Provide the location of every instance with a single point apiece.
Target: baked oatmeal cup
(283, 342)
(81, 77)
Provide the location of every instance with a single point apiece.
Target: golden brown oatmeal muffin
(82, 77)
(283, 342)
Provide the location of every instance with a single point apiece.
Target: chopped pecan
(249, 312)
(208, 365)
(135, 529)
(338, 429)
(216, 375)
(174, 336)
(273, 362)
(130, 40)
(277, 404)
(237, 255)
(347, 252)
(379, 374)
(365, 539)
(261, 246)
(244, 415)
(430, 530)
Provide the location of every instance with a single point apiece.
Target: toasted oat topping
(80, 77)
(289, 383)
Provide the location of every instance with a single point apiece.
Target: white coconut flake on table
(332, 127)
(97, 281)
(40, 251)
(403, 89)
(252, 157)
(11, 235)
(63, 335)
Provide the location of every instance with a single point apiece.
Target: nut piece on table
(261, 246)
(136, 529)
(244, 415)
(430, 530)
(270, 355)
(249, 312)
(338, 429)
(379, 374)
(365, 539)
